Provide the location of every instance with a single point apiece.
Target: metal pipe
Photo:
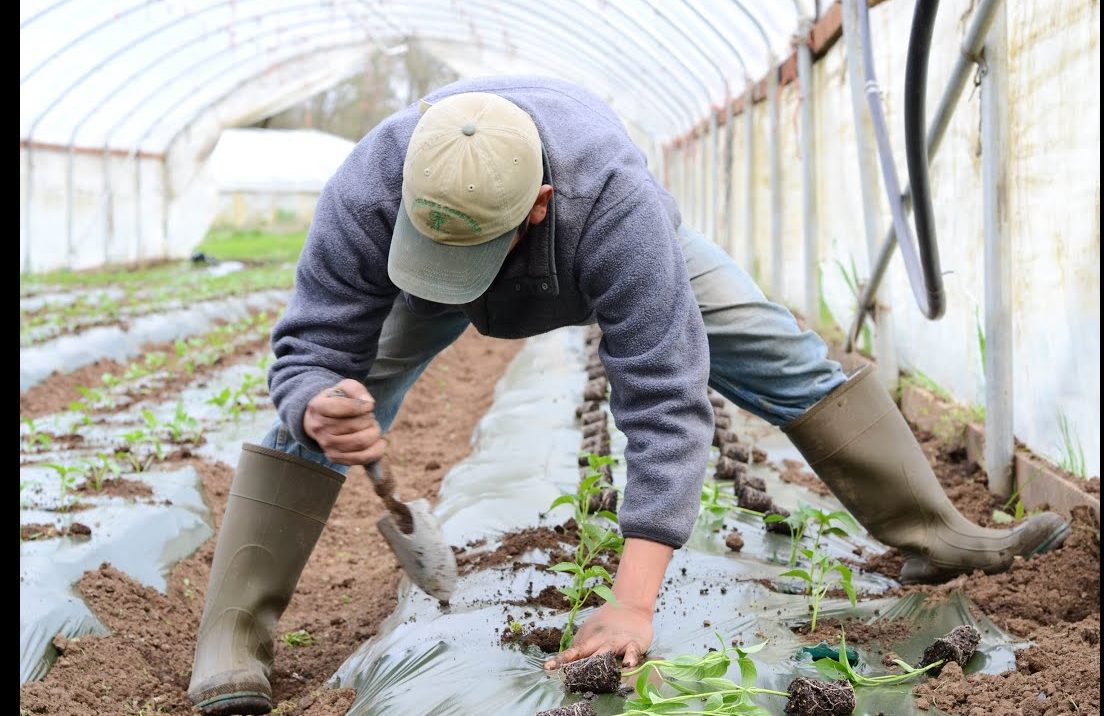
(971, 46)
(999, 408)
(715, 173)
(749, 183)
(808, 175)
(884, 347)
(775, 185)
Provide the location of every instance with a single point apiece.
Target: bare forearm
(640, 574)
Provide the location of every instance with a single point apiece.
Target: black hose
(916, 152)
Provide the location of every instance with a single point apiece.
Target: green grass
(1073, 455)
(253, 246)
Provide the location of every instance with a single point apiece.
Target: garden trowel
(413, 534)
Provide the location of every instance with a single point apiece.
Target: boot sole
(1056, 538)
(240, 704)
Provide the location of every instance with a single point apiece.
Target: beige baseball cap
(472, 173)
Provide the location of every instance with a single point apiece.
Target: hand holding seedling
(341, 421)
(624, 627)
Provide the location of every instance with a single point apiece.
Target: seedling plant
(696, 685)
(821, 567)
(841, 668)
(597, 535)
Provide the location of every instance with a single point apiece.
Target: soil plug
(809, 697)
(737, 452)
(597, 444)
(593, 416)
(588, 406)
(598, 674)
(721, 421)
(729, 469)
(724, 437)
(605, 499)
(583, 708)
(717, 400)
(596, 389)
(779, 528)
(758, 455)
(958, 646)
(595, 428)
(596, 371)
(750, 498)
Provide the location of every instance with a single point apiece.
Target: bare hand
(624, 630)
(345, 426)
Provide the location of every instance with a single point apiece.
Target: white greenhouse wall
(1054, 210)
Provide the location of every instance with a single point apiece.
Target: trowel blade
(424, 555)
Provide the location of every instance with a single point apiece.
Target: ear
(540, 206)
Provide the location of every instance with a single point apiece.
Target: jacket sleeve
(331, 328)
(657, 359)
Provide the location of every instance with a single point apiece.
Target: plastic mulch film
(142, 539)
(432, 661)
(69, 352)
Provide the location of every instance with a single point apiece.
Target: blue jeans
(759, 357)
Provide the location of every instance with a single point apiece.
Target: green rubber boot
(277, 508)
(859, 444)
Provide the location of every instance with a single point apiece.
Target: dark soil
(514, 544)
(884, 631)
(598, 674)
(734, 541)
(342, 596)
(1059, 674)
(118, 487)
(809, 697)
(57, 391)
(39, 531)
(957, 646)
(547, 639)
(583, 708)
(1053, 599)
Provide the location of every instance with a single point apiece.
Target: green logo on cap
(438, 213)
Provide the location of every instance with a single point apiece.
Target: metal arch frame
(657, 58)
(111, 56)
(729, 116)
(203, 35)
(708, 205)
(749, 155)
(219, 98)
(623, 68)
(44, 11)
(675, 55)
(619, 69)
(82, 36)
(808, 167)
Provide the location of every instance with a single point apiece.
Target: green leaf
(562, 500)
(1002, 518)
(799, 573)
(772, 518)
(566, 567)
(605, 593)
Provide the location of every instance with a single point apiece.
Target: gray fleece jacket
(609, 253)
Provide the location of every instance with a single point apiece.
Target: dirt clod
(957, 646)
(809, 697)
(583, 708)
(734, 541)
(598, 674)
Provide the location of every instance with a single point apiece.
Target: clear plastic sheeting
(67, 353)
(133, 74)
(143, 539)
(449, 662)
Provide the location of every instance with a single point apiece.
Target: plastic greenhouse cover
(126, 72)
(428, 661)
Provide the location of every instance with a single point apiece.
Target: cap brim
(439, 272)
